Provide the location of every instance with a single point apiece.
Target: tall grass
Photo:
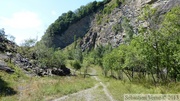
(118, 88)
(41, 88)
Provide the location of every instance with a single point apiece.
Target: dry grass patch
(42, 88)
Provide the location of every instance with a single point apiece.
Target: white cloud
(22, 25)
(53, 12)
(21, 20)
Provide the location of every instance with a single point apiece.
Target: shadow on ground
(5, 90)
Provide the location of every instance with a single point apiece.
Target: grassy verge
(118, 88)
(40, 88)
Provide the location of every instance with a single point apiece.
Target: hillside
(100, 52)
(61, 33)
(136, 38)
(106, 24)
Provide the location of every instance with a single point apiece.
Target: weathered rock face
(6, 45)
(95, 34)
(78, 30)
(31, 68)
(3, 64)
(104, 34)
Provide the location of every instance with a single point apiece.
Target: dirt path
(97, 93)
(104, 86)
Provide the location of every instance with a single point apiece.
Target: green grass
(48, 88)
(41, 88)
(66, 85)
(118, 88)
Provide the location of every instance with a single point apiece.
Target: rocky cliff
(102, 28)
(103, 34)
(77, 30)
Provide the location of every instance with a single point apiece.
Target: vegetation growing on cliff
(153, 52)
(151, 57)
(67, 19)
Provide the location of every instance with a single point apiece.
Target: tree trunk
(111, 72)
(132, 73)
(120, 76)
(85, 72)
(127, 75)
(154, 80)
(105, 73)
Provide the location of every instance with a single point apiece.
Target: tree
(160, 44)
(49, 57)
(2, 32)
(76, 66)
(108, 59)
(86, 64)
(12, 38)
(58, 59)
(128, 29)
(25, 48)
(170, 44)
(66, 19)
(29, 42)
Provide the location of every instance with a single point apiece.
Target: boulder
(6, 69)
(40, 72)
(148, 1)
(62, 71)
(18, 57)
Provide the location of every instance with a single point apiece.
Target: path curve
(104, 86)
(88, 98)
(88, 92)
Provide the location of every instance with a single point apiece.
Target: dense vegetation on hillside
(150, 58)
(67, 19)
(154, 52)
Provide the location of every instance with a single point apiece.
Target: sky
(26, 19)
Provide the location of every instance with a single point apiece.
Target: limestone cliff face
(103, 34)
(77, 30)
(94, 33)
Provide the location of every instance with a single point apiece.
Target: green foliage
(111, 6)
(162, 45)
(78, 54)
(115, 60)
(118, 3)
(49, 57)
(76, 65)
(170, 44)
(38, 89)
(67, 19)
(29, 42)
(154, 51)
(26, 47)
(11, 38)
(70, 54)
(147, 13)
(119, 88)
(128, 29)
(57, 59)
(99, 19)
(117, 28)
(96, 55)
(108, 8)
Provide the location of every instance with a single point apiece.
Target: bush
(76, 65)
